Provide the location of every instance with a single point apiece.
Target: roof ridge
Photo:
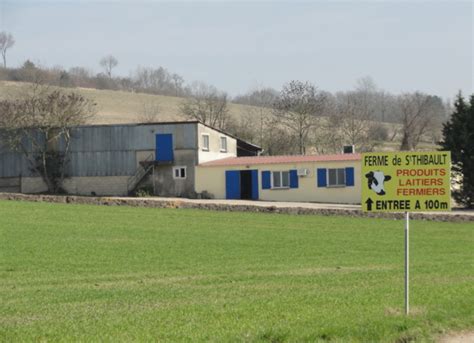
(276, 159)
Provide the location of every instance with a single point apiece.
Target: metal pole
(407, 266)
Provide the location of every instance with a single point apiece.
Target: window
(336, 177)
(205, 142)
(281, 179)
(179, 172)
(223, 144)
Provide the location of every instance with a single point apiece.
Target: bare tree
(29, 72)
(6, 42)
(418, 113)
(259, 117)
(39, 127)
(297, 108)
(326, 138)
(257, 124)
(260, 96)
(178, 83)
(108, 62)
(81, 76)
(382, 101)
(278, 141)
(207, 105)
(150, 112)
(354, 115)
(158, 81)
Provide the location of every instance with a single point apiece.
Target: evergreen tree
(458, 137)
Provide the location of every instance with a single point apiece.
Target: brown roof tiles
(234, 161)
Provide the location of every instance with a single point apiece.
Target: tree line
(298, 119)
(143, 79)
(301, 118)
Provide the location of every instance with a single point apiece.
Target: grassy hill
(121, 107)
(115, 107)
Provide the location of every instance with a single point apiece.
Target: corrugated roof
(249, 160)
(173, 123)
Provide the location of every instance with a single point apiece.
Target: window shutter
(350, 176)
(322, 180)
(293, 178)
(266, 182)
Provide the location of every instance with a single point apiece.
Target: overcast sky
(236, 46)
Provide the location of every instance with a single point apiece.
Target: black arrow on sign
(369, 203)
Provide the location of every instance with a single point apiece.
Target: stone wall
(202, 204)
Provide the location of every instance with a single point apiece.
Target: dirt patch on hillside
(460, 337)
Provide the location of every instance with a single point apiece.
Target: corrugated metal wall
(13, 165)
(106, 150)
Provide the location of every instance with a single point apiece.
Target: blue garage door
(164, 147)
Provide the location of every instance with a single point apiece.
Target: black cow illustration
(376, 181)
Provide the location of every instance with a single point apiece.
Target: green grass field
(92, 273)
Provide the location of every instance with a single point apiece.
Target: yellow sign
(406, 181)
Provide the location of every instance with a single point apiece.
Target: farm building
(116, 159)
(325, 178)
(186, 159)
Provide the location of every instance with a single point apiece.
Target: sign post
(406, 182)
(407, 263)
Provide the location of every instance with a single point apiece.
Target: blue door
(164, 147)
(254, 184)
(232, 184)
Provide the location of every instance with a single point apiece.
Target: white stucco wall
(214, 152)
(212, 180)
